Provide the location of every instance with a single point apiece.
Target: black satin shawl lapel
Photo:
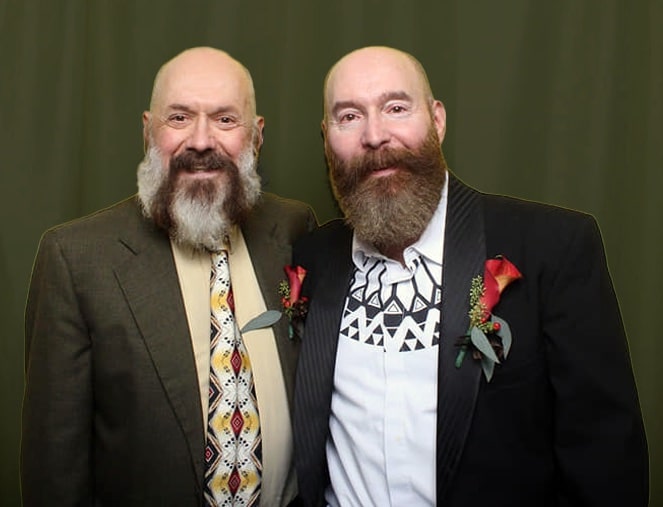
(464, 255)
(327, 288)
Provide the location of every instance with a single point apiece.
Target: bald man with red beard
(460, 349)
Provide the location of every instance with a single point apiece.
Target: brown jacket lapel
(270, 230)
(148, 279)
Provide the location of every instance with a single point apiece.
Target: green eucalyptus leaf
(504, 333)
(263, 320)
(480, 341)
(461, 356)
(488, 367)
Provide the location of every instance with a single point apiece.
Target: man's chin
(204, 190)
(386, 182)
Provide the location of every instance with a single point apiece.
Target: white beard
(197, 222)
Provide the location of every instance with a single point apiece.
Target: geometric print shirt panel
(393, 309)
(394, 306)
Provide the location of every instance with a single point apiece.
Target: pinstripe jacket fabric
(560, 423)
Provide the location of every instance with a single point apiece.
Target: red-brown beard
(390, 211)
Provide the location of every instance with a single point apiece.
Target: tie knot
(219, 258)
(220, 285)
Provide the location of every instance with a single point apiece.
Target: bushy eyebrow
(385, 97)
(187, 109)
(397, 95)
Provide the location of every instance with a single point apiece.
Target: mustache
(370, 162)
(208, 160)
(347, 175)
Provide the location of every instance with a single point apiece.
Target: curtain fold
(558, 102)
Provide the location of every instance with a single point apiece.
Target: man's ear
(439, 119)
(260, 128)
(323, 129)
(146, 130)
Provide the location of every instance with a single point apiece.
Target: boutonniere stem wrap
(488, 337)
(295, 306)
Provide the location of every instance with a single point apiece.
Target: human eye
(178, 120)
(226, 121)
(347, 118)
(398, 109)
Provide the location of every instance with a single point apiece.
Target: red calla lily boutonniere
(488, 337)
(294, 305)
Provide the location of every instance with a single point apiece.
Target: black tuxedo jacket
(560, 423)
(112, 411)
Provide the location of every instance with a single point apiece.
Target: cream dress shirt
(193, 269)
(381, 450)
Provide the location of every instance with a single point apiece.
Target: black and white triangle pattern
(402, 316)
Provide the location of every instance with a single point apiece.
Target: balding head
(203, 66)
(202, 99)
(361, 64)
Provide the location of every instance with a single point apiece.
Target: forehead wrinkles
(201, 75)
(360, 77)
(203, 89)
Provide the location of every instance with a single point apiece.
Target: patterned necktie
(233, 452)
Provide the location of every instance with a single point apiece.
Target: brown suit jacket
(112, 410)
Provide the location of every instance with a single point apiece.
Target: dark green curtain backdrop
(553, 101)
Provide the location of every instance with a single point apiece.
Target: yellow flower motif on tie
(219, 301)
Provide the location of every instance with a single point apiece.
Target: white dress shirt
(381, 450)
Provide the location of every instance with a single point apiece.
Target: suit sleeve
(600, 445)
(57, 407)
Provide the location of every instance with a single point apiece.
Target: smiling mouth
(200, 172)
(384, 171)
(202, 169)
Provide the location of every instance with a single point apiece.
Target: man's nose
(201, 137)
(376, 132)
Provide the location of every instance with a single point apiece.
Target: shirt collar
(230, 240)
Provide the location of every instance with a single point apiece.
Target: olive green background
(560, 102)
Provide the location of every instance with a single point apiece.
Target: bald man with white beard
(118, 316)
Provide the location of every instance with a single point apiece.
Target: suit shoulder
(275, 216)
(523, 229)
(531, 214)
(326, 238)
(105, 221)
(272, 203)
